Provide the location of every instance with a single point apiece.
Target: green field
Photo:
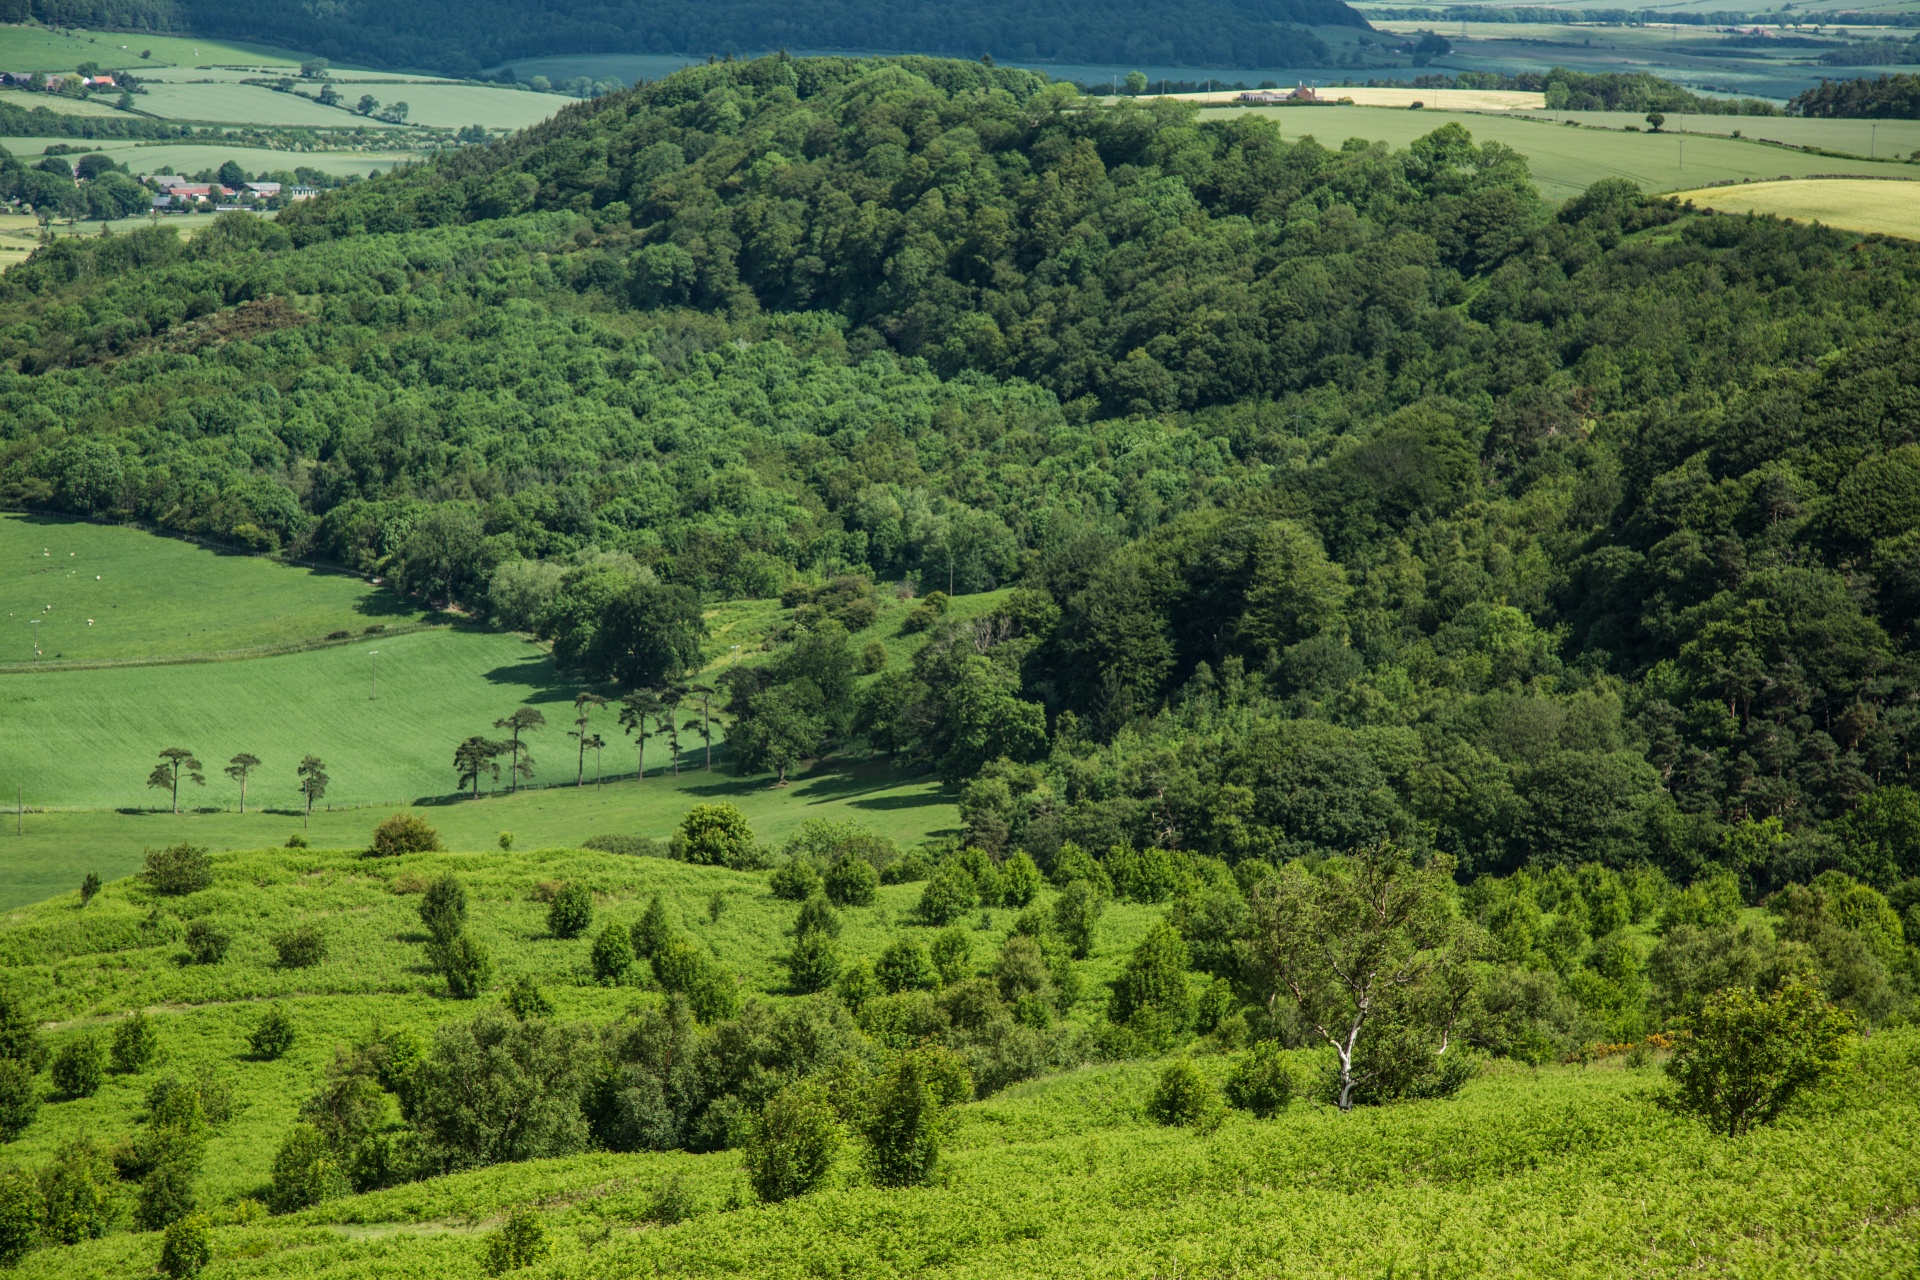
(1561, 1171)
(1875, 139)
(1565, 159)
(108, 592)
(251, 104)
(35, 48)
(191, 157)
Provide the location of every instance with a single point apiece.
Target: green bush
(525, 999)
(464, 963)
(443, 907)
(1076, 913)
(856, 986)
(207, 943)
(1184, 1096)
(913, 867)
(19, 1099)
(682, 966)
(79, 1192)
(273, 1035)
(305, 1171)
(177, 870)
(1260, 1081)
(519, 1242)
(20, 1032)
(795, 880)
(494, 1089)
(906, 1116)
(300, 947)
(135, 1043)
(651, 931)
(817, 915)
(1748, 1055)
(89, 887)
(950, 894)
(1151, 993)
(612, 954)
(21, 1209)
(1019, 881)
(793, 1143)
(715, 835)
(814, 962)
(952, 956)
(78, 1066)
(852, 881)
(166, 1196)
(571, 911)
(404, 833)
(187, 1247)
(904, 966)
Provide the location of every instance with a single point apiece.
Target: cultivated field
(1449, 99)
(1871, 139)
(1566, 159)
(1891, 208)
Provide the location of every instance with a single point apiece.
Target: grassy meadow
(1563, 1171)
(37, 48)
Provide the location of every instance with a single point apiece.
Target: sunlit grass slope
(1563, 1172)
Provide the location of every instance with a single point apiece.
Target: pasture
(1566, 159)
(1562, 1170)
(36, 48)
(191, 157)
(110, 592)
(1867, 139)
(1889, 208)
(244, 104)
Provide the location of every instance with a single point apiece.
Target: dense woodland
(465, 38)
(1347, 494)
(1894, 97)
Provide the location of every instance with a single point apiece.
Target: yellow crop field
(1852, 204)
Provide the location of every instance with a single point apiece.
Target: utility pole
(35, 633)
(1873, 136)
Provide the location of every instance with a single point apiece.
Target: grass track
(1889, 208)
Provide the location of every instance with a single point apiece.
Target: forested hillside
(1349, 493)
(464, 38)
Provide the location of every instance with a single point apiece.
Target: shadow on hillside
(537, 675)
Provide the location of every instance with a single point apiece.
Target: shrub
(851, 881)
(906, 1116)
(856, 985)
(21, 1209)
(813, 963)
(1749, 1055)
(795, 880)
(20, 1032)
(873, 657)
(715, 835)
(612, 954)
(1019, 881)
(305, 1171)
(519, 1242)
(651, 931)
(674, 1202)
(207, 943)
(1184, 1096)
(817, 915)
(300, 947)
(495, 1089)
(404, 833)
(166, 1196)
(904, 966)
(952, 955)
(793, 1143)
(273, 1035)
(89, 887)
(913, 867)
(443, 907)
(571, 911)
(525, 999)
(464, 963)
(135, 1043)
(177, 870)
(948, 896)
(187, 1247)
(625, 846)
(79, 1066)
(1076, 912)
(77, 1187)
(506, 842)
(296, 841)
(19, 1100)
(1154, 983)
(1260, 1081)
(680, 965)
